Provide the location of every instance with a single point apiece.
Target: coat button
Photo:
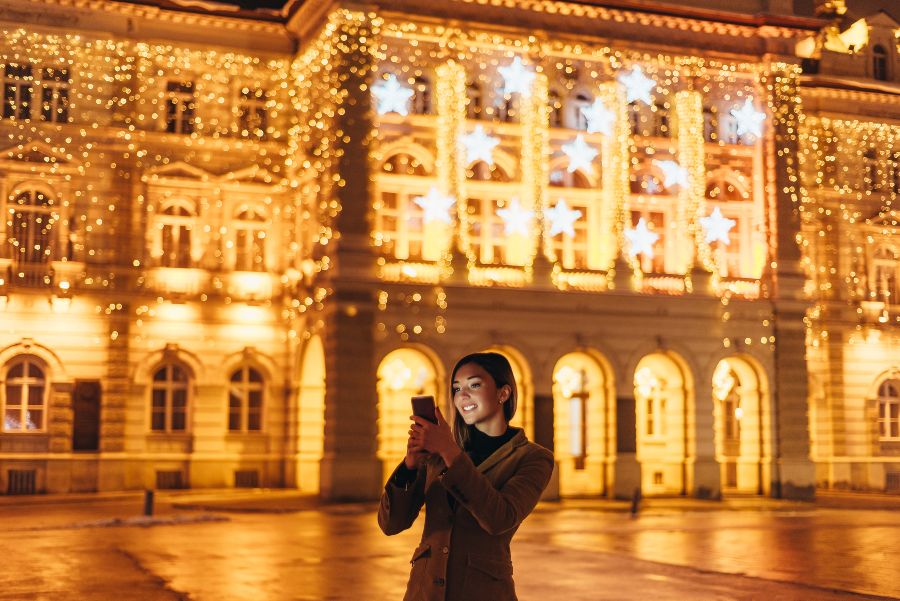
(445, 550)
(439, 581)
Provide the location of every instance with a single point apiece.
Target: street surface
(279, 546)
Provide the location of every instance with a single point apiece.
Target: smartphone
(423, 406)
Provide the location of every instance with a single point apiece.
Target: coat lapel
(503, 452)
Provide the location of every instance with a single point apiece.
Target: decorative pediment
(251, 175)
(178, 170)
(891, 217)
(36, 154)
(882, 19)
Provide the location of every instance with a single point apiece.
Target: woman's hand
(415, 454)
(434, 438)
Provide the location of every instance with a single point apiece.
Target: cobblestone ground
(573, 551)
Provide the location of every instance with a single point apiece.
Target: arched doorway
(524, 417)
(660, 392)
(581, 436)
(311, 428)
(738, 403)
(402, 374)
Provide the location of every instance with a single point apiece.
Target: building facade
(236, 242)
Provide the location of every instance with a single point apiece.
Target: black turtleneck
(481, 445)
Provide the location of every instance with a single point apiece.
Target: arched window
(721, 189)
(481, 171)
(245, 400)
(725, 389)
(250, 240)
(645, 182)
(879, 63)
(33, 216)
(564, 178)
(169, 406)
(403, 164)
(475, 104)
(421, 101)
(889, 410)
(176, 222)
(25, 398)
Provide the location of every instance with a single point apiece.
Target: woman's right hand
(415, 454)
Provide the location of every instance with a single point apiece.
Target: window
(710, 124)
(250, 241)
(30, 235)
(168, 412)
(18, 87)
(873, 177)
(884, 274)
(19, 83)
(895, 164)
(486, 229)
(55, 95)
(573, 386)
(661, 121)
(889, 410)
(577, 119)
(572, 251)
(475, 104)
(556, 112)
(176, 223)
(26, 396)
(649, 391)
(245, 400)
(725, 389)
(180, 107)
(421, 100)
(655, 223)
(399, 221)
(879, 63)
(252, 116)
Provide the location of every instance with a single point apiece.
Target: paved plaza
(207, 546)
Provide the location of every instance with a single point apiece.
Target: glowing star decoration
(673, 173)
(562, 219)
(717, 227)
(599, 118)
(391, 96)
(479, 146)
(749, 120)
(435, 205)
(641, 240)
(580, 154)
(638, 86)
(516, 77)
(515, 219)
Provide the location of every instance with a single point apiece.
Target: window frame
(252, 103)
(24, 405)
(168, 387)
(179, 113)
(249, 222)
(178, 225)
(888, 410)
(46, 87)
(246, 387)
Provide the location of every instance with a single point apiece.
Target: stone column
(59, 427)
(703, 474)
(543, 435)
(793, 474)
(349, 468)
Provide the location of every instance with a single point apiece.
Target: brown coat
(464, 552)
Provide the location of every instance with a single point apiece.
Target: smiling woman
(477, 482)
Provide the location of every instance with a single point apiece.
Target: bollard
(148, 502)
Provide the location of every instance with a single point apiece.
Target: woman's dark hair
(497, 366)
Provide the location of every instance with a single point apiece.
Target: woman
(478, 483)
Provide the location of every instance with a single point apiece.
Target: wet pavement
(278, 545)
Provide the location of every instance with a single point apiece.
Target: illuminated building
(236, 242)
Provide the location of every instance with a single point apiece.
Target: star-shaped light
(391, 96)
(515, 219)
(638, 86)
(599, 118)
(580, 154)
(641, 239)
(479, 146)
(516, 77)
(673, 173)
(717, 227)
(749, 120)
(562, 219)
(435, 205)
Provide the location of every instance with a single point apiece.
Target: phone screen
(423, 406)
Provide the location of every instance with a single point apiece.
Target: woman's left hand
(436, 438)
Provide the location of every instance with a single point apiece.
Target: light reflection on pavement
(338, 553)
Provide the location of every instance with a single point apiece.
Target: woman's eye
(475, 385)
(455, 389)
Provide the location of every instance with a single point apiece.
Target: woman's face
(477, 398)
